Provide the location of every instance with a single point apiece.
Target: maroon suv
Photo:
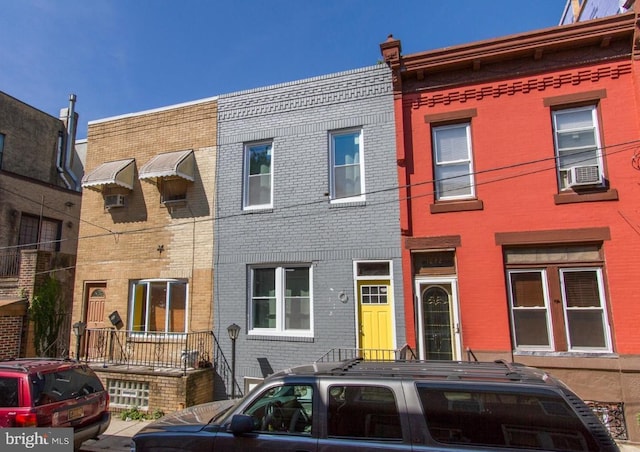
(49, 392)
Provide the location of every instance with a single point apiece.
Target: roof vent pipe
(71, 140)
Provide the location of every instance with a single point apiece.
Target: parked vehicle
(48, 392)
(389, 405)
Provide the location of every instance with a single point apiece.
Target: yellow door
(375, 314)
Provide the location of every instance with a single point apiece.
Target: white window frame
(603, 310)
(279, 330)
(441, 164)
(332, 163)
(132, 300)
(246, 196)
(545, 291)
(562, 171)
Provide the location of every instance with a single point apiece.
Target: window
(559, 307)
(578, 151)
(452, 162)
(347, 169)
(286, 408)
(39, 233)
(258, 176)
(363, 412)
(281, 301)
(159, 306)
(503, 419)
(173, 189)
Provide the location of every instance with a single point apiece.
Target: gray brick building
(307, 235)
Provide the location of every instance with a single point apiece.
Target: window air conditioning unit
(583, 175)
(111, 201)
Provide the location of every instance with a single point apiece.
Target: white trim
(603, 310)
(280, 296)
(390, 298)
(153, 110)
(468, 161)
(132, 298)
(598, 147)
(332, 190)
(547, 306)
(245, 175)
(456, 328)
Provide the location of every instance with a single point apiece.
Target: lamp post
(234, 332)
(78, 331)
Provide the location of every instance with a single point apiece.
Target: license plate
(75, 413)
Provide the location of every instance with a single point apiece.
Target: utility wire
(626, 146)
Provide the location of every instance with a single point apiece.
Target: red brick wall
(10, 335)
(512, 127)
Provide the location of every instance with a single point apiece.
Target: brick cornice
(533, 84)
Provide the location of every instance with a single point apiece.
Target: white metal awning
(171, 164)
(118, 173)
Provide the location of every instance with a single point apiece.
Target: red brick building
(518, 162)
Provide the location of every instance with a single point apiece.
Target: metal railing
(9, 264)
(109, 346)
(339, 354)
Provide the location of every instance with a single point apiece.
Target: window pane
(533, 421)
(577, 139)
(451, 144)
(50, 235)
(373, 269)
(258, 175)
(28, 231)
(260, 159)
(531, 327)
(264, 305)
(158, 306)
(363, 412)
(453, 180)
(264, 282)
(574, 119)
(9, 392)
(297, 282)
(347, 181)
(567, 159)
(264, 312)
(297, 291)
(527, 289)
(177, 305)
(528, 303)
(259, 189)
(346, 164)
(346, 149)
(288, 408)
(139, 311)
(586, 329)
(581, 289)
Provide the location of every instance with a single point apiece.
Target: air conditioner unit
(111, 201)
(583, 175)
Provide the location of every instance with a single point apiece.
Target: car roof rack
(20, 363)
(499, 370)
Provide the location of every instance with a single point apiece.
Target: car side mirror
(241, 424)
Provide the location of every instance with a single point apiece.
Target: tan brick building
(39, 217)
(145, 272)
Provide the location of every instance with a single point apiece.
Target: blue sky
(124, 56)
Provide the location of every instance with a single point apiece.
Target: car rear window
(8, 392)
(64, 384)
(503, 419)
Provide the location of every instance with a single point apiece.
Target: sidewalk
(117, 437)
